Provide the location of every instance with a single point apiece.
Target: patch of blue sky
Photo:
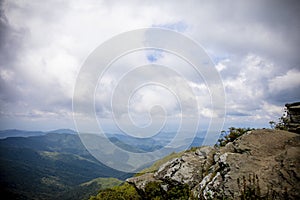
(179, 26)
(216, 57)
(154, 55)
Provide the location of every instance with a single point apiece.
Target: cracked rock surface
(271, 157)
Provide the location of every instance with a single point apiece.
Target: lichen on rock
(272, 157)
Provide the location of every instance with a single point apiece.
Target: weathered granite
(271, 157)
(293, 115)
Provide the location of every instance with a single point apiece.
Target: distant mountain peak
(19, 133)
(68, 131)
(24, 133)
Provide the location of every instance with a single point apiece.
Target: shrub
(231, 135)
(153, 190)
(282, 123)
(179, 192)
(249, 189)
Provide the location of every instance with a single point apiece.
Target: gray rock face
(293, 114)
(187, 169)
(265, 159)
(140, 182)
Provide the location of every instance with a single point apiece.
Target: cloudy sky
(255, 46)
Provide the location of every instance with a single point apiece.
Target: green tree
(272, 124)
(282, 123)
(231, 135)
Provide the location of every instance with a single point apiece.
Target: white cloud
(43, 44)
(220, 66)
(289, 80)
(7, 75)
(248, 91)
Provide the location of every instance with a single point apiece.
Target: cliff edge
(261, 163)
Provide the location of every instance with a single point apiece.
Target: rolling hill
(55, 164)
(48, 166)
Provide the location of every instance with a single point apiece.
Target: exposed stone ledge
(271, 155)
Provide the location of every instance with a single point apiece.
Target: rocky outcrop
(293, 115)
(268, 161)
(187, 169)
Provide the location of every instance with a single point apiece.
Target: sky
(254, 46)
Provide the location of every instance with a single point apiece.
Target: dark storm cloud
(21, 90)
(267, 28)
(11, 41)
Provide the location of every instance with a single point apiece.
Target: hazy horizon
(253, 44)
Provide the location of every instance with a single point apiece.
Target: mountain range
(48, 166)
(55, 164)
(21, 133)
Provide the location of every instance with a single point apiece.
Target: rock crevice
(270, 157)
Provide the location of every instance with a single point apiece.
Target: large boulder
(265, 162)
(293, 115)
